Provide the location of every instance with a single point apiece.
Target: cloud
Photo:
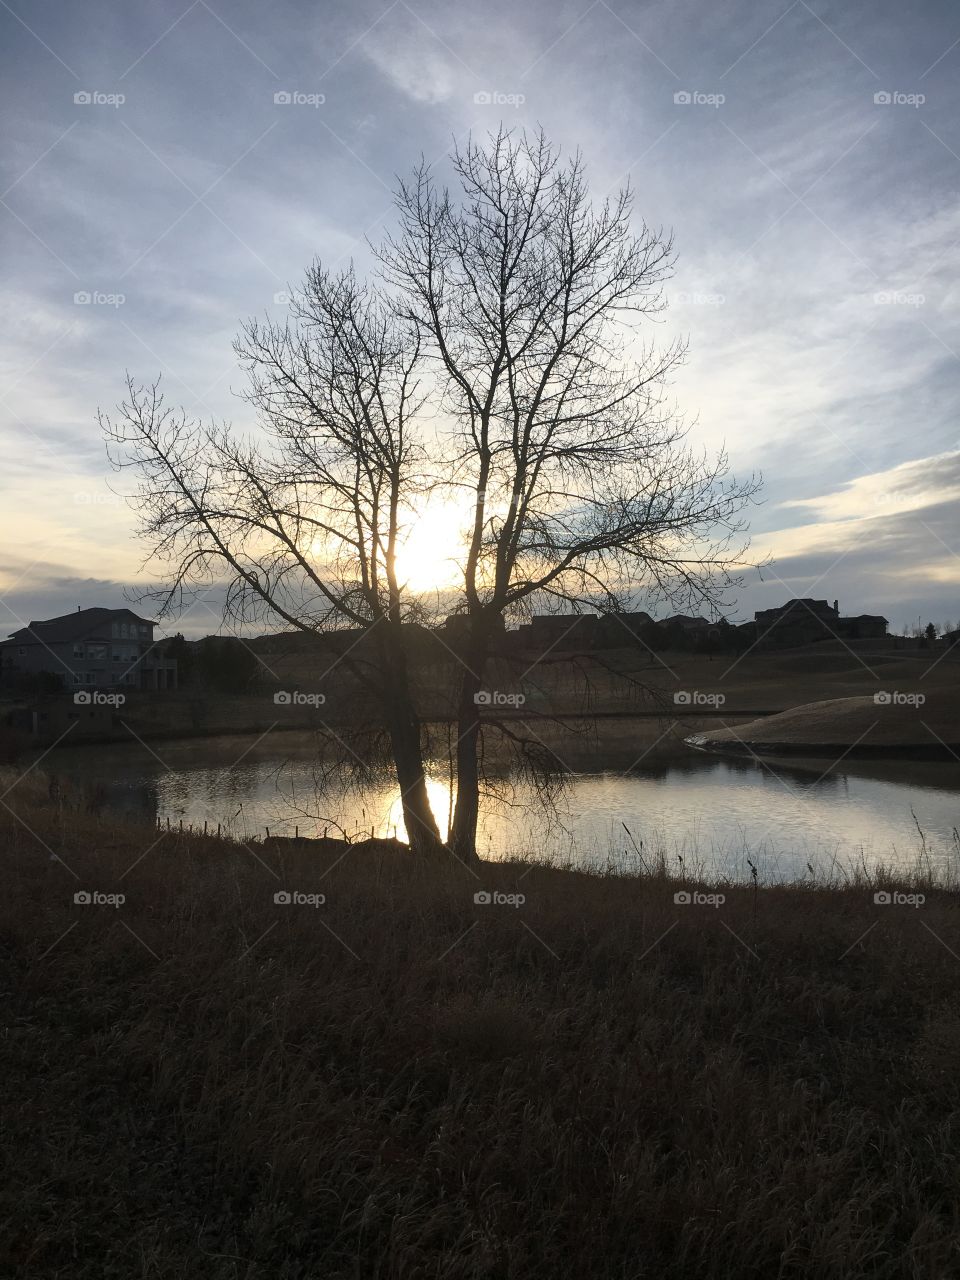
(846, 403)
(911, 486)
(413, 61)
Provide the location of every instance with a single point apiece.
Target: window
(77, 678)
(78, 649)
(21, 652)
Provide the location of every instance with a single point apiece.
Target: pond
(700, 811)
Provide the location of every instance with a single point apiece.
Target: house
(805, 621)
(557, 632)
(92, 648)
(864, 626)
(685, 622)
(615, 630)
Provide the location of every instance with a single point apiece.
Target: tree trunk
(423, 834)
(466, 813)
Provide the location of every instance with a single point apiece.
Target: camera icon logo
(282, 98)
(82, 699)
(883, 98)
(282, 898)
(82, 99)
(282, 298)
(482, 898)
(682, 898)
(282, 698)
(682, 698)
(682, 98)
(82, 298)
(882, 699)
(482, 698)
(483, 98)
(82, 898)
(881, 898)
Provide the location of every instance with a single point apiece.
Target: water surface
(700, 811)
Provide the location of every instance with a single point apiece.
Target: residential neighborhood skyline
(102, 647)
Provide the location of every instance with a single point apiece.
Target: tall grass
(403, 1082)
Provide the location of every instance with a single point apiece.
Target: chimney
(836, 607)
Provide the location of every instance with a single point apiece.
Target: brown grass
(404, 1083)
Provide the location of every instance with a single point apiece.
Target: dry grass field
(581, 1077)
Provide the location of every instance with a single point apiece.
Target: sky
(171, 168)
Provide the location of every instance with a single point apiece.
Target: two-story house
(92, 648)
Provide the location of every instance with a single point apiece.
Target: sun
(431, 553)
(431, 547)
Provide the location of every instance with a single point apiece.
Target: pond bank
(887, 725)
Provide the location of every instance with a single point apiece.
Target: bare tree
(518, 306)
(528, 298)
(304, 525)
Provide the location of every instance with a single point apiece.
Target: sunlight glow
(434, 547)
(438, 793)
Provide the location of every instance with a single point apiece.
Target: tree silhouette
(496, 356)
